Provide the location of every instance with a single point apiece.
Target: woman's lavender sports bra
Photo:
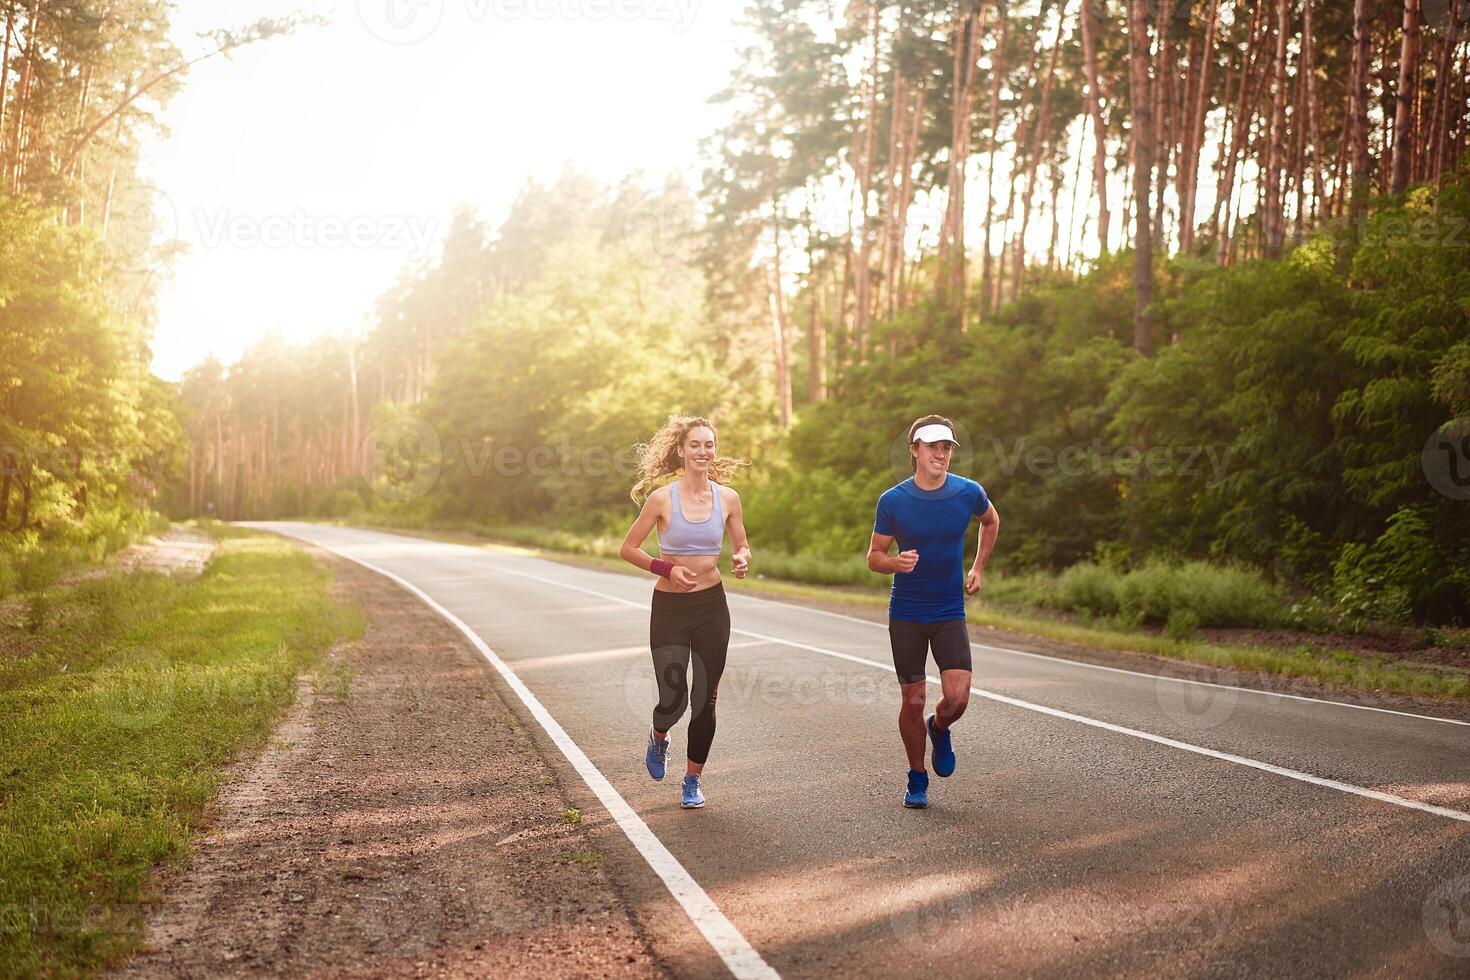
(693, 537)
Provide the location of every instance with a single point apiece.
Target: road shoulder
(402, 822)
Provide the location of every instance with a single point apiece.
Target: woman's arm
(631, 550)
(739, 541)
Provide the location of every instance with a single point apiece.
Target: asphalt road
(1100, 822)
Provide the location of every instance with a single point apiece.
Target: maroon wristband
(661, 567)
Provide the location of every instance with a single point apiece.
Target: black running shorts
(950, 641)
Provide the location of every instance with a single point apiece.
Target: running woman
(928, 514)
(690, 620)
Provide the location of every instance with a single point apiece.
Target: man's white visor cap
(934, 432)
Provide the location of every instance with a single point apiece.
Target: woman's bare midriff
(706, 569)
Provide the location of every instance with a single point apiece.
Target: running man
(928, 514)
(689, 617)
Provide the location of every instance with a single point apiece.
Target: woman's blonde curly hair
(659, 456)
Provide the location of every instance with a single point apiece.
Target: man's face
(932, 458)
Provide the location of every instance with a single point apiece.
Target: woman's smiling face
(698, 449)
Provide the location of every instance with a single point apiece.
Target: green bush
(339, 503)
(1086, 587)
(1148, 594)
(1182, 624)
(1229, 595)
(1403, 575)
(1193, 594)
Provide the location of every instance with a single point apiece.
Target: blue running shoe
(943, 750)
(917, 798)
(657, 755)
(693, 798)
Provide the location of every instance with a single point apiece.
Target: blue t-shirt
(933, 523)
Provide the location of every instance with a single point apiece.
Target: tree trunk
(1099, 127)
(816, 336)
(1272, 225)
(865, 184)
(22, 103)
(816, 350)
(951, 279)
(1143, 136)
(997, 69)
(1358, 93)
(905, 196)
(1450, 118)
(1195, 137)
(4, 101)
(897, 123)
(1239, 134)
(1314, 106)
(1165, 72)
(1072, 208)
(780, 345)
(1405, 94)
(1297, 168)
(1037, 151)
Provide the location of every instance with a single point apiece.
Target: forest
(1191, 276)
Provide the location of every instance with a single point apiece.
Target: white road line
(1119, 670)
(738, 955)
(1240, 760)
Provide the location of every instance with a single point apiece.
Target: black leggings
(681, 623)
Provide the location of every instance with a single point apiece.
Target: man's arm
(989, 530)
(880, 561)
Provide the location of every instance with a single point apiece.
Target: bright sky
(306, 171)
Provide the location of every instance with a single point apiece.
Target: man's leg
(911, 724)
(956, 697)
(910, 643)
(952, 654)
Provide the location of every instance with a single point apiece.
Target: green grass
(118, 711)
(1027, 603)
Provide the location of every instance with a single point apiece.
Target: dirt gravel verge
(401, 823)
